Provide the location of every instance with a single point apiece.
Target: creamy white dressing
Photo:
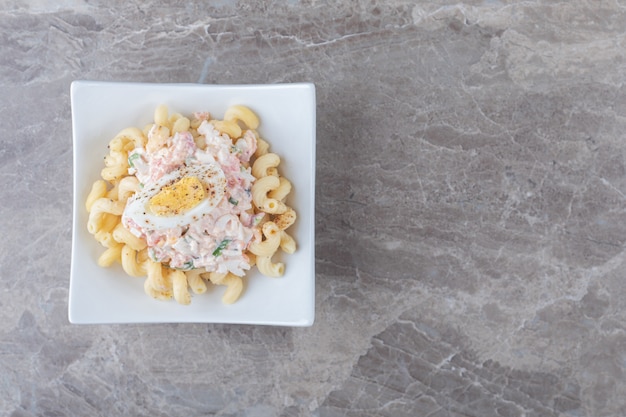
(216, 240)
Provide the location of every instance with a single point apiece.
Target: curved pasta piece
(216, 278)
(115, 172)
(110, 256)
(268, 268)
(158, 279)
(181, 125)
(99, 208)
(154, 293)
(128, 139)
(114, 191)
(180, 288)
(130, 264)
(283, 189)
(263, 163)
(232, 129)
(242, 114)
(287, 243)
(119, 143)
(127, 187)
(105, 238)
(260, 188)
(234, 288)
(272, 240)
(123, 235)
(195, 281)
(286, 219)
(98, 190)
(108, 223)
(116, 158)
(262, 147)
(174, 117)
(142, 256)
(161, 115)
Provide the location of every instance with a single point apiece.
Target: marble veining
(470, 220)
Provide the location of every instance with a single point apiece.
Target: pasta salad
(189, 201)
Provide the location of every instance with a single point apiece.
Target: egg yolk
(177, 198)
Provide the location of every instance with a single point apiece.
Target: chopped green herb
(221, 247)
(132, 158)
(186, 266)
(233, 201)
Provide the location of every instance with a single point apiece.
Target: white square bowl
(107, 295)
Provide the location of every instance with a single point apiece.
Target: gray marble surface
(470, 221)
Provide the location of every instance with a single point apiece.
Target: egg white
(137, 208)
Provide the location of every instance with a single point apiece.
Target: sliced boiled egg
(178, 198)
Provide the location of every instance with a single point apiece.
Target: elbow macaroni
(263, 165)
(283, 189)
(269, 268)
(242, 114)
(107, 199)
(130, 264)
(260, 197)
(268, 246)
